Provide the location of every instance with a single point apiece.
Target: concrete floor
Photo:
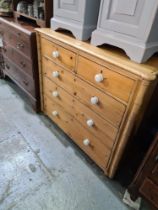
(41, 169)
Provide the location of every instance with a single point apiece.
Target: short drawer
(104, 105)
(58, 54)
(15, 29)
(25, 81)
(57, 74)
(100, 128)
(19, 59)
(57, 94)
(90, 144)
(150, 191)
(109, 81)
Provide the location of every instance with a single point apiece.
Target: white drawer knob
(94, 100)
(55, 94)
(55, 54)
(55, 74)
(86, 142)
(90, 123)
(55, 113)
(99, 78)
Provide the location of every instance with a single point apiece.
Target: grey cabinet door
(130, 17)
(72, 9)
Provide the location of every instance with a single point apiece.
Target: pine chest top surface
(112, 55)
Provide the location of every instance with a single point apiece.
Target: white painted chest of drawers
(78, 16)
(129, 24)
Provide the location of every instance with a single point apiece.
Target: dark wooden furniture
(1, 63)
(20, 57)
(48, 13)
(145, 183)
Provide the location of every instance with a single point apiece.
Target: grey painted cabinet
(129, 24)
(78, 16)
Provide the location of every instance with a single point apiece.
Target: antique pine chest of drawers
(96, 96)
(20, 57)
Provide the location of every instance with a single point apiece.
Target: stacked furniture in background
(130, 25)
(20, 46)
(80, 17)
(97, 91)
(6, 8)
(41, 15)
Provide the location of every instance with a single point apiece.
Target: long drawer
(20, 32)
(20, 40)
(87, 141)
(21, 78)
(22, 45)
(19, 59)
(104, 105)
(93, 123)
(100, 128)
(103, 78)
(58, 54)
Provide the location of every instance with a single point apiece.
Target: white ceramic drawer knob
(99, 78)
(55, 74)
(94, 100)
(90, 123)
(55, 113)
(55, 54)
(86, 142)
(55, 94)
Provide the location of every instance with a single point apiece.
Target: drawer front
(6, 28)
(95, 124)
(150, 191)
(65, 79)
(101, 129)
(58, 54)
(21, 44)
(105, 79)
(104, 105)
(20, 77)
(19, 59)
(62, 118)
(57, 94)
(95, 149)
